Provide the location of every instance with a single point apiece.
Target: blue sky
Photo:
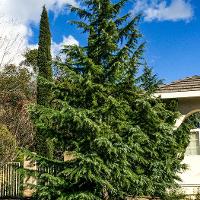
(171, 29)
(173, 47)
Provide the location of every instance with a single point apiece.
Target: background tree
(11, 43)
(121, 139)
(8, 145)
(17, 90)
(31, 59)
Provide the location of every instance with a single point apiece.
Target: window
(194, 145)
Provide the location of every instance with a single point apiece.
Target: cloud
(174, 10)
(57, 47)
(15, 19)
(29, 11)
(13, 41)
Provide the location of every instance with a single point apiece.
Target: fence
(10, 180)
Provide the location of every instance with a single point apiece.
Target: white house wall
(191, 177)
(188, 103)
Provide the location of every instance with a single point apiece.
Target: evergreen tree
(149, 81)
(121, 139)
(44, 61)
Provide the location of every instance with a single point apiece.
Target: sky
(170, 28)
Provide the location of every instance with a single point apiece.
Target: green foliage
(175, 194)
(183, 132)
(193, 120)
(149, 81)
(189, 123)
(122, 138)
(44, 62)
(44, 59)
(31, 58)
(171, 104)
(178, 194)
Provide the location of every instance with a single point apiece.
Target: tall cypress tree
(44, 65)
(44, 59)
(121, 138)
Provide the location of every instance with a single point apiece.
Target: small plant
(175, 195)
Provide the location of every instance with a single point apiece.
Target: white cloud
(15, 19)
(174, 10)
(26, 11)
(57, 47)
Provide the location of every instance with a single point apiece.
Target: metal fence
(10, 180)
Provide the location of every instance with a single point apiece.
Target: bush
(175, 195)
(7, 146)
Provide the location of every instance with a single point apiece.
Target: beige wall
(187, 106)
(191, 177)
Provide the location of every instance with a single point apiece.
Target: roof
(185, 85)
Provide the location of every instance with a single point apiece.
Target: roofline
(195, 130)
(174, 95)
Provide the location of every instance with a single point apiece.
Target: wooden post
(69, 155)
(29, 180)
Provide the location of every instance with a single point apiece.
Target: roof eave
(177, 95)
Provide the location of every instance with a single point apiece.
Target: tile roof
(184, 85)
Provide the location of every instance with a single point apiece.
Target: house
(187, 93)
